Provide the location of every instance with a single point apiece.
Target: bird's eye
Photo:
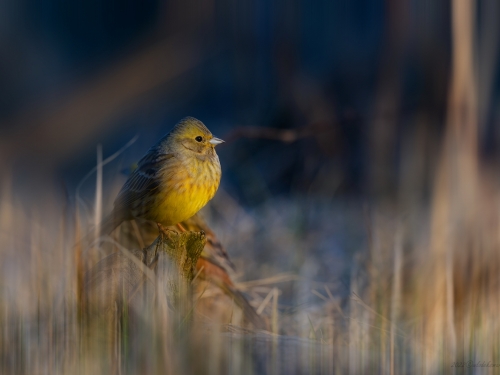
(199, 138)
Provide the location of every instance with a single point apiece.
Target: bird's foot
(165, 231)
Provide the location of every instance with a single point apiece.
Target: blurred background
(354, 80)
(362, 153)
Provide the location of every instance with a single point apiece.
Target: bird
(169, 185)
(178, 176)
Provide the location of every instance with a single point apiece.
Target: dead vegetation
(413, 289)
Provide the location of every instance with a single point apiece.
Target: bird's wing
(142, 181)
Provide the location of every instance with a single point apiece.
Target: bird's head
(192, 135)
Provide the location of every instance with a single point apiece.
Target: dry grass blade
(266, 300)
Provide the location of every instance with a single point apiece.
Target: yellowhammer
(173, 181)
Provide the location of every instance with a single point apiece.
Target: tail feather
(106, 226)
(109, 224)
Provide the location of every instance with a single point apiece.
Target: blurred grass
(408, 283)
(392, 314)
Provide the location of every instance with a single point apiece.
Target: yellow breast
(186, 191)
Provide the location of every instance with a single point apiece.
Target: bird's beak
(215, 141)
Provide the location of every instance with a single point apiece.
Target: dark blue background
(273, 64)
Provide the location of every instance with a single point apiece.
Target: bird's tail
(109, 223)
(106, 226)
